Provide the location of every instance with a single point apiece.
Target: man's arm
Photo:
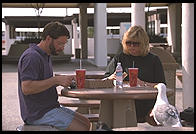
(33, 87)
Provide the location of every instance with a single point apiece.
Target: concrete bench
(81, 103)
(62, 57)
(89, 108)
(169, 67)
(36, 128)
(16, 51)
(151, 128)
(93, 118)
(83, 106)
(179, 75)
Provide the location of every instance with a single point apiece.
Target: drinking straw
(133, 64)
(80, 64)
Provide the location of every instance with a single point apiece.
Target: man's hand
(64, 80)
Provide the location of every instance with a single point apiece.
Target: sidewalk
(10, 104)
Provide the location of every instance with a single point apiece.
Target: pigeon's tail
(178, 124)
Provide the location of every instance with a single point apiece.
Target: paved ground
(10, 104)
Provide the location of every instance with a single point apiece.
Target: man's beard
(52, 49)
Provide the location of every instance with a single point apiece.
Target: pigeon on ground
(164, 113)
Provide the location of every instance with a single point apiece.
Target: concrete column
(83, 21)
(75, 36)
(68, 47)
(171, 21)
(8, 41)
(75, 33)
(174, 28)
(157, 24)
(100, 40)
(188, 54)
(138, 14)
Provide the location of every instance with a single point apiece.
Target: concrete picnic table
(117, 108)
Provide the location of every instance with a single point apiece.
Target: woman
(135, 45)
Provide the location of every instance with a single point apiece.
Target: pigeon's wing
(166, 115)
(159, 114)
(174, 119)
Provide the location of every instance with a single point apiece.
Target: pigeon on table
(164, 113)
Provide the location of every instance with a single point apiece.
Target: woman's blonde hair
(136, 34)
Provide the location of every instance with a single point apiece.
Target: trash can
(77, 53)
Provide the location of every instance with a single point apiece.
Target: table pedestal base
(118, 113)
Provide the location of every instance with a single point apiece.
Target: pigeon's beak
(155, 86)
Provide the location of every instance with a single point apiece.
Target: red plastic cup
(80, 78)
(133, 74)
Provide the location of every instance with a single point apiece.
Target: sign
(124, 26)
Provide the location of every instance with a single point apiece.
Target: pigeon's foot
(150, 120)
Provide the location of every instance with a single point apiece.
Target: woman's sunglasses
(134, 44)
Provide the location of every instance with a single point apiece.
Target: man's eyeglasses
(134, 44)
(61, 43)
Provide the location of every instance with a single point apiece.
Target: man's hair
(55, 30)
(136, 34)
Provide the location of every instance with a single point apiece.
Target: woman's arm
(158, 74)
(110, 68)
(145, 84)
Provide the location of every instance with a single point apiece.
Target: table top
(89, 74)
(113, 93)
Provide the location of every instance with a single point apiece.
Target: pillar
(83, 22)
(100, 34)
(75, 36)
(157, 24)
(188, 54)
(8, 40)
(68, 47)
(138, 14)
(174, 29)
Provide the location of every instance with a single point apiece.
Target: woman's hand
(145, 84)
(113, 76)
(124, 75)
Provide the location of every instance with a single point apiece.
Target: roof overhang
(113, 19)
(72, 5)
(34, 21)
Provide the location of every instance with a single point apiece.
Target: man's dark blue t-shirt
(35, 64)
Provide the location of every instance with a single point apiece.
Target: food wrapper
(98, 83)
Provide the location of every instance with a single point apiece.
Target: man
(37, 86)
